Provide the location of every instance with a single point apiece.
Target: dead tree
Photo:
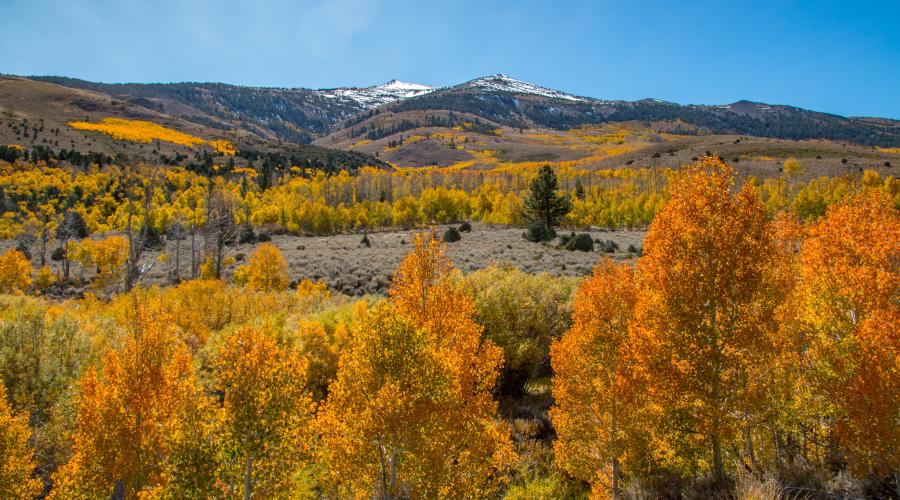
(135, 183)
(71, 227)
(177, 234)
(220, 229)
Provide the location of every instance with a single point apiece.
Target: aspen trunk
(248, 471)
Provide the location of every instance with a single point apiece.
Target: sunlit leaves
(849, 293)
(706, 308)
(128, 410)
(16, 458)
(267, 269)
(411, 412)
(266, 417)
(597, 401)
(15, 272)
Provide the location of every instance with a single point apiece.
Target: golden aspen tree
(128, 409)
(850, 288)
(17, 465)
(44, 278)
(411, 412)
(267, 416)
(594, 401)
(15, 272)
(706, 308)
(107, 256)
(794, 413)
(267, 269)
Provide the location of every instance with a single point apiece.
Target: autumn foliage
(411, 412)
(267, 415)
(850, 283)
(15, 272)
(137, 131)
(16, 458)
(593, 387)
(128, 411)
(744, 345)
(706, 309)
(267, 269)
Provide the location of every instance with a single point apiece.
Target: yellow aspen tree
(267, 269)
(17, 479)
(107, 256)
(411, 412)
(267, 416)
(128, 409)
(706, 309)
(15, 272)
(594, 401)
(850, 289)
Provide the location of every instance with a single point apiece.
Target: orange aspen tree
(266, 420)
(411, 413)
(17, 478)
(851, 304)
(594, 401)
(128, 409)
(706, 307)
(794, 414)
(267, 269)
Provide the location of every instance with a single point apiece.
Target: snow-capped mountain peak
(503, 83)
(372, 97)
(398, 86)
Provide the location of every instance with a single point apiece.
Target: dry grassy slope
(55, 106)
(657, 144)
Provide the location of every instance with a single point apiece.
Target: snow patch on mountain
(503, 83)
(372, 97)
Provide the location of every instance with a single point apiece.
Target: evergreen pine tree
(544, 204)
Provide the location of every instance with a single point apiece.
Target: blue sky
(836, 56)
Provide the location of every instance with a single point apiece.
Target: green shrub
(465, 227)
(263, 237)
(522, 313)
(538, 231)
(452, 235)
(58, 254)
(152, 239)
(582, 242)
(610, 246)
(246, 235)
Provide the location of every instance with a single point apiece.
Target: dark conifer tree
(544, 204)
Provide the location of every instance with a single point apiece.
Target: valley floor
(349, 267)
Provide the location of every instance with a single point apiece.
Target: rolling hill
(36, 116)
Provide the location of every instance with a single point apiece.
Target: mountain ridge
(302, 114)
